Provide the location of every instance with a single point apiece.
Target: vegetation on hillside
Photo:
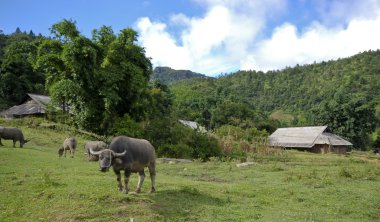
(342, 94)
(107, 86)
(168, 75)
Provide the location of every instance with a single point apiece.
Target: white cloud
(162, 47)
(287, 48)
(226, 37)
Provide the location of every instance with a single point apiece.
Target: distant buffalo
(95, 146)
(12, 134)
(69, 144)
(131, 155)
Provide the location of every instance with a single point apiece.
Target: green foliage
(17, 76)
(237, 133)
(235, 113)
(160, 100)
(127, 126)
(287, 94)
(175, 151)
(101, 79)
(176, 140)
(204, 146)
(169, 76)
(348, 115)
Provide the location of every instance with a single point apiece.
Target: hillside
(36, 185)
(294, 90)
(168, 75)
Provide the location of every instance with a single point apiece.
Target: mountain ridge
(168, 75)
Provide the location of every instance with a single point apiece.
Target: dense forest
(343, 94)
(109, 87)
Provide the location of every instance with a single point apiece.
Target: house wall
(326, 148)
(322, 149)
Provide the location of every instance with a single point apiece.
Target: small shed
(35, 105)
(315, 139)
(193, 125)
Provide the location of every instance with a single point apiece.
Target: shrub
(204, 146)
(127, 126)
(176, 151)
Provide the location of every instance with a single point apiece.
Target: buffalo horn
(119, 154)
(96, 153)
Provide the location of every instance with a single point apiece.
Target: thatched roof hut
(313, 138)
(35, 105)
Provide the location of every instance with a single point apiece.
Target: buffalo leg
(127, 174)
(1, 143)
(152, 172)
(141, 181)
(14, 143)
(118, 178)
(72, 152)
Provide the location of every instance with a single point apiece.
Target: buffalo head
(106, 158)
(60, 151)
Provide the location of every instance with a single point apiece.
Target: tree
(351, 116)
(103, 37)
(236, 114)
(100, 79)
(160, 100)
(128, 72)
(17, 76)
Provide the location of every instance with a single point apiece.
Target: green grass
(36, 185)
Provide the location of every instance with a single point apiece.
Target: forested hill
(296, 91)
(167, 75)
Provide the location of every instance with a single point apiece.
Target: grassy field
(36, 185)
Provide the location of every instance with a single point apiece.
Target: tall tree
(100, 79)
(351, 116)
(17, 76)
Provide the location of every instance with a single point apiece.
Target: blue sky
(217, 36)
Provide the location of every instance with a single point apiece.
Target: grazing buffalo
(131, 155)
(12, 134)
(95, 146)
(68, 144)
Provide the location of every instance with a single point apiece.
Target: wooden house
(35, 105)
(315, 139)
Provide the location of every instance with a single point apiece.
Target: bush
(127, 126)
(205, 146)
(176, 151)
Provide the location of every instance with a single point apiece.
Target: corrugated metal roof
(35, 105)
(296, 136)
(193, 125)
(305, 137)
(41, 99)
(332, 139)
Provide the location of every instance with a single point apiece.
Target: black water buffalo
(12, 134)
(94, 146)
(131, 155)
(68, 144)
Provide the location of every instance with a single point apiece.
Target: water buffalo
(95, 146)
(12, 134)
(131, 155)
(68, 144)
